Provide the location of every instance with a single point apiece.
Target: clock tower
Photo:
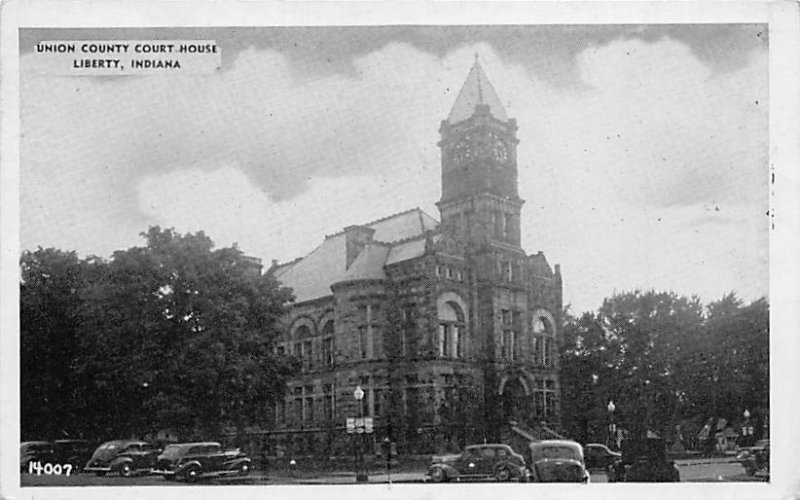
(480, 203)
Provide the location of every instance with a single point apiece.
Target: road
(710, 470)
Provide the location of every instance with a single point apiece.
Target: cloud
(617, 174)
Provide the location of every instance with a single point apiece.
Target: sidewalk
(338, 478)
(684, 462)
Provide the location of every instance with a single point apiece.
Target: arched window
(302, 345)
(543, 338)
(451, 331)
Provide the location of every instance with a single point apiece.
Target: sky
(643, 155)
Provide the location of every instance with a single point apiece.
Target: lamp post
(361, 471)
(746, 429)
(612, 428)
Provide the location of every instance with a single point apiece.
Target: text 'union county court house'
(450, 328)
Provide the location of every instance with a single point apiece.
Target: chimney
(356, 239)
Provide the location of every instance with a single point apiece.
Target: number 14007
(49, 469)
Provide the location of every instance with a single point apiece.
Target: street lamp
(612, 429)
(746, 429)
(361, 471)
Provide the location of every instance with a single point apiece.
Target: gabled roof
(311, 277)
(476, 90)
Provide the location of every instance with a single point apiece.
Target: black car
(599, 456)
(193, 461)
(34, 451)
(124, 457)
(557, 461)
(643, 461)
(482, 461)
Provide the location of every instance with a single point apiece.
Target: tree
(664, 360)
(51, 282)
(181, 336)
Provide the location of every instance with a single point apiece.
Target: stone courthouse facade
(449, 327)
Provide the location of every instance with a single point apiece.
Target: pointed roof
(476, 90)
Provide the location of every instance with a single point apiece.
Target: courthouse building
(448, 326)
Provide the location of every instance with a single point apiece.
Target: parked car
(193, 461)
(34, 451)
(482, 461)
(643, 461)
(556, 460)
(755, 458)
(599, 456)
(75, 452)
(124, 457)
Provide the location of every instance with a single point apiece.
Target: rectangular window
(509, 345)
(443, 340)
(438, 270)
(508, 272)
(280, 350)
(537, 351)
(456, 342)
(298, 350)
(378, 403)
(280, 411)
(548, 352)
(309, 416)
(308, 354)
(328, 407)
(298, 409)
(505, 315)
(327, 351)
(362, 341)
(538, 399)
(516, 319)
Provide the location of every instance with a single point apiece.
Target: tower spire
(477, 90)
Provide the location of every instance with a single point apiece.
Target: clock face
(462, 151)
(499, 147)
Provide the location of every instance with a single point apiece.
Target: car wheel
(438, 475)
(191, 474)
(244, 469)
(125, 470)
(502, 474)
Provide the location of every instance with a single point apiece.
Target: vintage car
(193, 461)
(483, 461)
(755, 458)
(557, 461)
(599, 456)
(75, 452)
(643, 461)
(34, 451)
(124, 457)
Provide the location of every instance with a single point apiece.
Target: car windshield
(554, 451)
(172, 451)
(36, 447)
(107, 450)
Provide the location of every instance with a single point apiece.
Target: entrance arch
(516, 400)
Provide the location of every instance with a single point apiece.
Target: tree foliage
(174, 334)
(664, 360)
